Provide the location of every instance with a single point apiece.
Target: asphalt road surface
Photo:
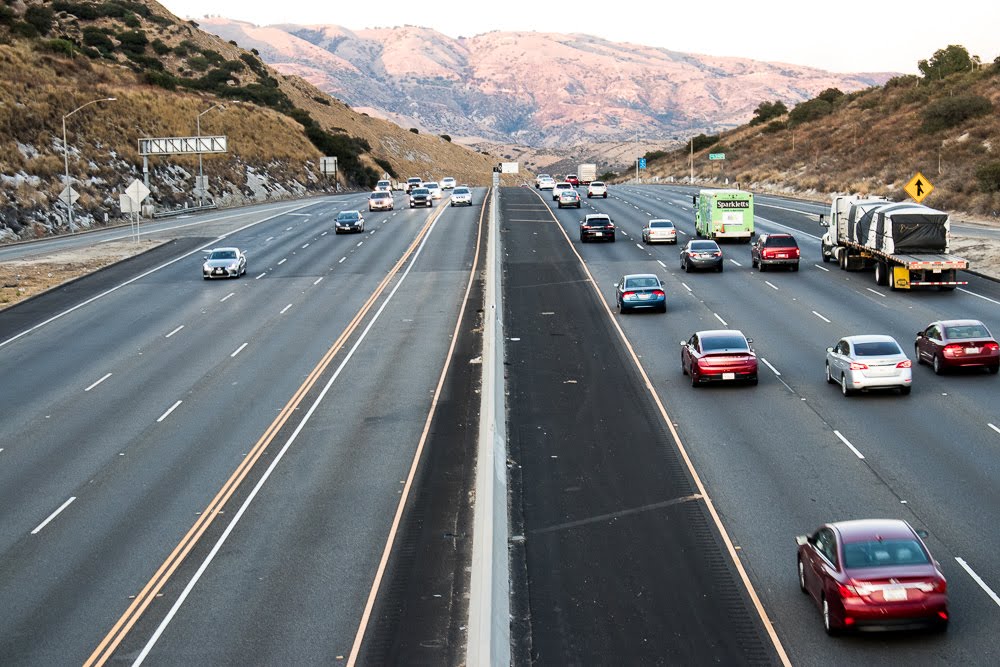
(208, 472)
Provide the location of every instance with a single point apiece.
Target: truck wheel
(843, 261)
(822, 253)
(881, 274)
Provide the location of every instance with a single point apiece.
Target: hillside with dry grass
(163, 72)
(945, 125)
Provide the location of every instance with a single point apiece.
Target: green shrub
(213, 57)
(7, 15)
(41, 17)
(83, 11)
(198, 63)
(161, 79)
(809, 110)
(775, 126)
(765, 111)
(386, 167)
(145, 62)
(322, 100)
(160, 48)
(703, 141)
(133, 42)
(988, 176)
(24, 29)
(951, 111)
(904, 81)
(63, 47)
(132, 21)
(97, 38)
(945, 61)
(655, 155)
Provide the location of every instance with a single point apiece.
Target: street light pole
(68, 191)
(201, 173)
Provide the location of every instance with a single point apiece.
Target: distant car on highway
(383, 186)
(569, 198)
(434, 189)
(640, 291)
(597, 189)
(718, 355)
(659, 231)
(413, 182)
(461, 195)
(420, 197)
(560, 187)
(775, 250)
(224, 263)
(448, 183)
(572, 180)
(380, 200)
(872, 573)
(870, 361)
(546, 183)
(598, 226)
(701, 254)
(349, 221)
(542, 177)
(950, 344)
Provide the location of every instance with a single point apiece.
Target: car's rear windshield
(431, 185)
(876, 348)
(712, 343)
(599, 221)
(704, 245)
(223, 254)
(349, 215)
(597, 183)
(662, 224)
(878, 553)
(780, 242)
(967, 331)
(647, 281)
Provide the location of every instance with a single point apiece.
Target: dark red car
(719, 355)
(872, 573)
(571, 178)
(775, 250)
(957, 344)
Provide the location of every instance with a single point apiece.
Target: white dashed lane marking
(106, 376)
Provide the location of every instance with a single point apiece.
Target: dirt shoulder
(23, 278)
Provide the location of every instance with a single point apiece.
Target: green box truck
(724, 214)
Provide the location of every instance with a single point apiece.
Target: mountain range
(530, 88)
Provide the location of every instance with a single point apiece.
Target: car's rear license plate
(972, 350)
(729, 376)
(645, 297)
(894, 594)
(782, 255)
(598, 233)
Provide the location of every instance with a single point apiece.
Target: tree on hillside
(766, 111)
(946, 61)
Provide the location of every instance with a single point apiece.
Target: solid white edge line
(724, 323)
(174, 331)
(820, 317)
(848, 443)
(768, 364)
(979, 580)
(685, 285)
(771, 285)
(146, 273)
(106, 376)
(986, 298)
(53, 516)
(274, 464)
(994, 427)
(169, 410)
(238, 350)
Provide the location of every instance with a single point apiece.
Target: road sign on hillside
(918, 187)
(69, 196)
(716, 156)
(137, 190)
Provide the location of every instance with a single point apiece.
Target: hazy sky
(841, 36)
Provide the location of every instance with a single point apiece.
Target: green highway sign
(716, 156)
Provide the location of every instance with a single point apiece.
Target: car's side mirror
(749, 341)
(694, 200)
(829, 349)
(683, 343)
(802, 540)
(822, 221)
(662, 284)
(923, 533)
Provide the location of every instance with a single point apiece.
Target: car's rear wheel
(905, 390)
(993, 369)
(916, 354)
(827, 622)
(719, 268)
(663, 308)
(694, 379)
(795, 267)
(844, 389)
(938, 366)
(753, 381)
(802, 576)
(687, 267)
(753, 262)
(763, 267)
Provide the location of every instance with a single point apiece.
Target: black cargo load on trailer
(909, 228)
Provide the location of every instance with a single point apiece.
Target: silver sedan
(868, 362)
(224, 263)
(659, 230)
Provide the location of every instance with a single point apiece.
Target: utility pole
(201, 174)
(68, 191)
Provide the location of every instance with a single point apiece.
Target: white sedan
(448, 183)
(597, 189)
(435, 190)
(224, 263)
(868, 362)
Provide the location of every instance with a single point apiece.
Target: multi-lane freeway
(278, 469)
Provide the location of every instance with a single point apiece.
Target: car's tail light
(953, 350)
(858, 366)
(933, 586)
(658, 292)
(848, 592)
(716, 254)
(628, 294)
(904, 364)
(991, 347)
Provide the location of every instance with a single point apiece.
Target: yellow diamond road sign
(919, 187)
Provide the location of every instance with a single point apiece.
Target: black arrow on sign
(920, 187)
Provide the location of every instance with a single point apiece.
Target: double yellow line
(153, 587)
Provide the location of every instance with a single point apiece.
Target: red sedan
(874, 573)
(720, 355)
(957, 344)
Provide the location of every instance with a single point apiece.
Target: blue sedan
(640, 290)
